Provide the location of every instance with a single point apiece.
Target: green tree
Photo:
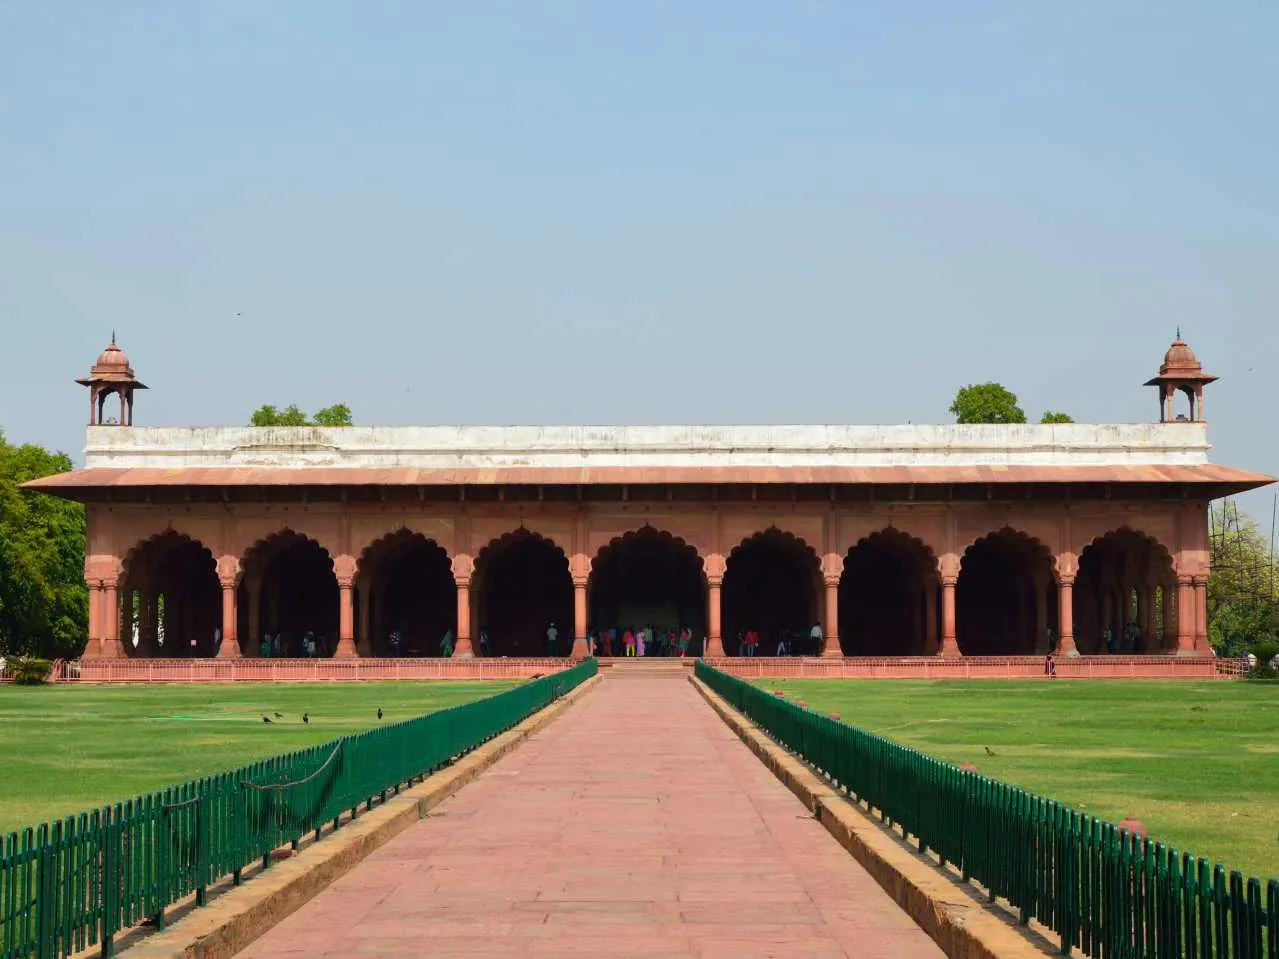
(1243, 589)
(987, 403)
(339, 414)
(44, 606)
(1053, 417)
(267, 415)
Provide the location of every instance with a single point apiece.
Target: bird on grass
(989, 751)
(279, 715)
(266, 719)
(306, 718)
(379, 712)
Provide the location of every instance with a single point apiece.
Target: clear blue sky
(637, 213)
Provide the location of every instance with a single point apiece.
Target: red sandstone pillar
(93, 648)
(344, 568)
(714, 641)
(346, 622)
(111, 648)
(464, 649)
(831, 648)
(949, 636)
(579, 618)
(228, 576)
(230, 642)
(1066, 617)
(1201, 615)
(1185, 616)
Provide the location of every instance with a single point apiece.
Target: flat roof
(928, 455)
(1205, 474)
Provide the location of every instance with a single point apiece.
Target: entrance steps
(633, 666)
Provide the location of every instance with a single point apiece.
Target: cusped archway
(1006, 596)
(407, 598)
(170, 599)
(772, 582)
(888, 597)
(523, 594)
(1125, 595)
(647, 578)
(290, 596)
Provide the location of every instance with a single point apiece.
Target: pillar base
(579, 648)
(110, 649)
(1066, 647)
(463, 648)
(713, 648)
(346, 650)
(831, 648)
(230, 649)
(949, 650)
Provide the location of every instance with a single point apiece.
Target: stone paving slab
(635, 825)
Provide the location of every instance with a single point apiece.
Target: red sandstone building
(943, 541)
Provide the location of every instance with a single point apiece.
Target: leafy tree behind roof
(339, 414)
(987, 403)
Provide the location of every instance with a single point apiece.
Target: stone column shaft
(949, 635)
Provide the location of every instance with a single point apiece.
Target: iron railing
(76, 883)
(1110, 894)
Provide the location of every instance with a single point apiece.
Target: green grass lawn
(68, 748)
(1198, 762)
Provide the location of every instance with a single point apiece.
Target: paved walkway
(636, 824)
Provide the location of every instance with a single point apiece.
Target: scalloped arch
(1127, 530)
(1036, 546)
(648, 531)
(172, 535)
(392, 538)
(898, 538)
(265, 546)
(777, 534)
(522, 534)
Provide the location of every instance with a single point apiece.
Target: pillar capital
(463, 568)
(344, 568)
(102, 571)
(948, 569)
(832, 569)
(714, 565)
(228, 571)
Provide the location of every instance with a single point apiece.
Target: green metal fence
(1103, 891)
(75, 883)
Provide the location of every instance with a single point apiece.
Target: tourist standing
(552, 640)
(484, 642)
(815, 640)
(446, 644)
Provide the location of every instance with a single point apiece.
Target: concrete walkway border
(234, 920)
(951, 912)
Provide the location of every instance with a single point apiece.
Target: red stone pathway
(636, 824)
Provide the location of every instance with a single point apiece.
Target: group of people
(309, 646)
(1129, 638)
(644, 641)
(790, 642)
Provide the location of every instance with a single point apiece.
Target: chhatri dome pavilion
(945, 541)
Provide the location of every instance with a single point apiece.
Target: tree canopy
(44, 607)
(1051, 416)
(1243, 589)
(339, 414)
(987, 403)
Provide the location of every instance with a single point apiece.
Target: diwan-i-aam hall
(949, 541)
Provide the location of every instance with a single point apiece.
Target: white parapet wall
(495, 447)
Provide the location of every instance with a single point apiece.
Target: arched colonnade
(888, 594)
